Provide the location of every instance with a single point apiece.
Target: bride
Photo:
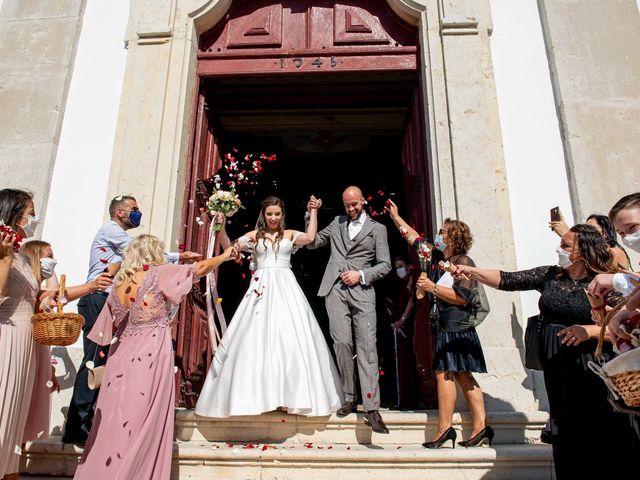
(273, 355)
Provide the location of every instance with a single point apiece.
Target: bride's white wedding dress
(273, 354)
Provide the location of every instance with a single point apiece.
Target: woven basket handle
(63, 280)
(603, 329)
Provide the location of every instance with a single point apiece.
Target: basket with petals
(57, 328)
(622, 373)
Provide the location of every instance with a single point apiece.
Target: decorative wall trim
(459, 26)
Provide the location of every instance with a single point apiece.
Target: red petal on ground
(104, 260)
(369, 395)
(102, 249)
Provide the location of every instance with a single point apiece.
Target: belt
(99, 292)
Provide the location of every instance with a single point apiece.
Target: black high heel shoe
(485, 436)
(449, 434)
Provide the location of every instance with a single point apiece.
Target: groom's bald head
(353, 201)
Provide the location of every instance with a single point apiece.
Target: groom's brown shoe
(374, 420)
(347, 408)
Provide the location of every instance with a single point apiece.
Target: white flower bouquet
(223, 202)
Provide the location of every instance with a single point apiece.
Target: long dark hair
(608, 232)
(13, 202)
(593, 248)
(262, 223)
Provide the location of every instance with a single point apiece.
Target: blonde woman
(132, 433)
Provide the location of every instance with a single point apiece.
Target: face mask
(438, 242)
(563, 258)
(401, 272)
(135, 216)
(30, 227)
(47, 265)
(632, 241)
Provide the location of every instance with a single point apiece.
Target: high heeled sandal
(449, 434)
(485, 436)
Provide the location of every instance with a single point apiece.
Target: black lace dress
(586, 433)
(455, 349)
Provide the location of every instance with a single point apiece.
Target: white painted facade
(81, 171)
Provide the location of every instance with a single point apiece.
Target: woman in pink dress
(19, 293)
(132, 433)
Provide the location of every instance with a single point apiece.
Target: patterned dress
(132, 432)
(17, 361)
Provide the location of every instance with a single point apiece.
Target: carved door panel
(290, 36)
(414, 159)
(193, 351)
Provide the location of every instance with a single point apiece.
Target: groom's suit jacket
(367, 252)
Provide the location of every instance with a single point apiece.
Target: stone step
(405, 427)
(286, 461)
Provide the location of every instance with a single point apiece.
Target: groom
(359, 257)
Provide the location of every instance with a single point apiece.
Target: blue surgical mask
(135, 216)
(438, 242)
(401, 272)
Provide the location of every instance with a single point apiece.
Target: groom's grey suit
(367, 252)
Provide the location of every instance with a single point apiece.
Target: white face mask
(563, 257)
(401, 272)
(438, 242)
(47, 266)
(30, 228)
(632, 241)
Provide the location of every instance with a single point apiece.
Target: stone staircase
(289, 447)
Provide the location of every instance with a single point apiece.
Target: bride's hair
(262, 223)
(142, 250)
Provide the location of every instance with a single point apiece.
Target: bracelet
(435, 289)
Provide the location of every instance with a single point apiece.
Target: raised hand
(391, 208)
(313, 203)
(7, 242)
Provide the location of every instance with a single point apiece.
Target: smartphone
(555, 214)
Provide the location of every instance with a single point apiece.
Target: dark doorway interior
(328, 132)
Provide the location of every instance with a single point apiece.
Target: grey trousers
(343, 311)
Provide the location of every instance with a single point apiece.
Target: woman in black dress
(585, 431)
(457, 350)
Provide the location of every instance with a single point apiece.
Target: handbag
(478, 310)
(533, 343)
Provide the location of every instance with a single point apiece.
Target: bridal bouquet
(225, 202)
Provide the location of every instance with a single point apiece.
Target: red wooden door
(293, 38)
(414, 159)
(193, 350)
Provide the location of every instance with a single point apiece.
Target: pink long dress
(132, 434)
(17, 361)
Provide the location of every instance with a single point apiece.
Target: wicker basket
(57, 328)
(621, 374)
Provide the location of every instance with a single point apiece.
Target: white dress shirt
(353, 228)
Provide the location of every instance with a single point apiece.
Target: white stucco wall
(81, 173)
(534, 156)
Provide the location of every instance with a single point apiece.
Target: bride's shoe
(485, 436)
(449, 434)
